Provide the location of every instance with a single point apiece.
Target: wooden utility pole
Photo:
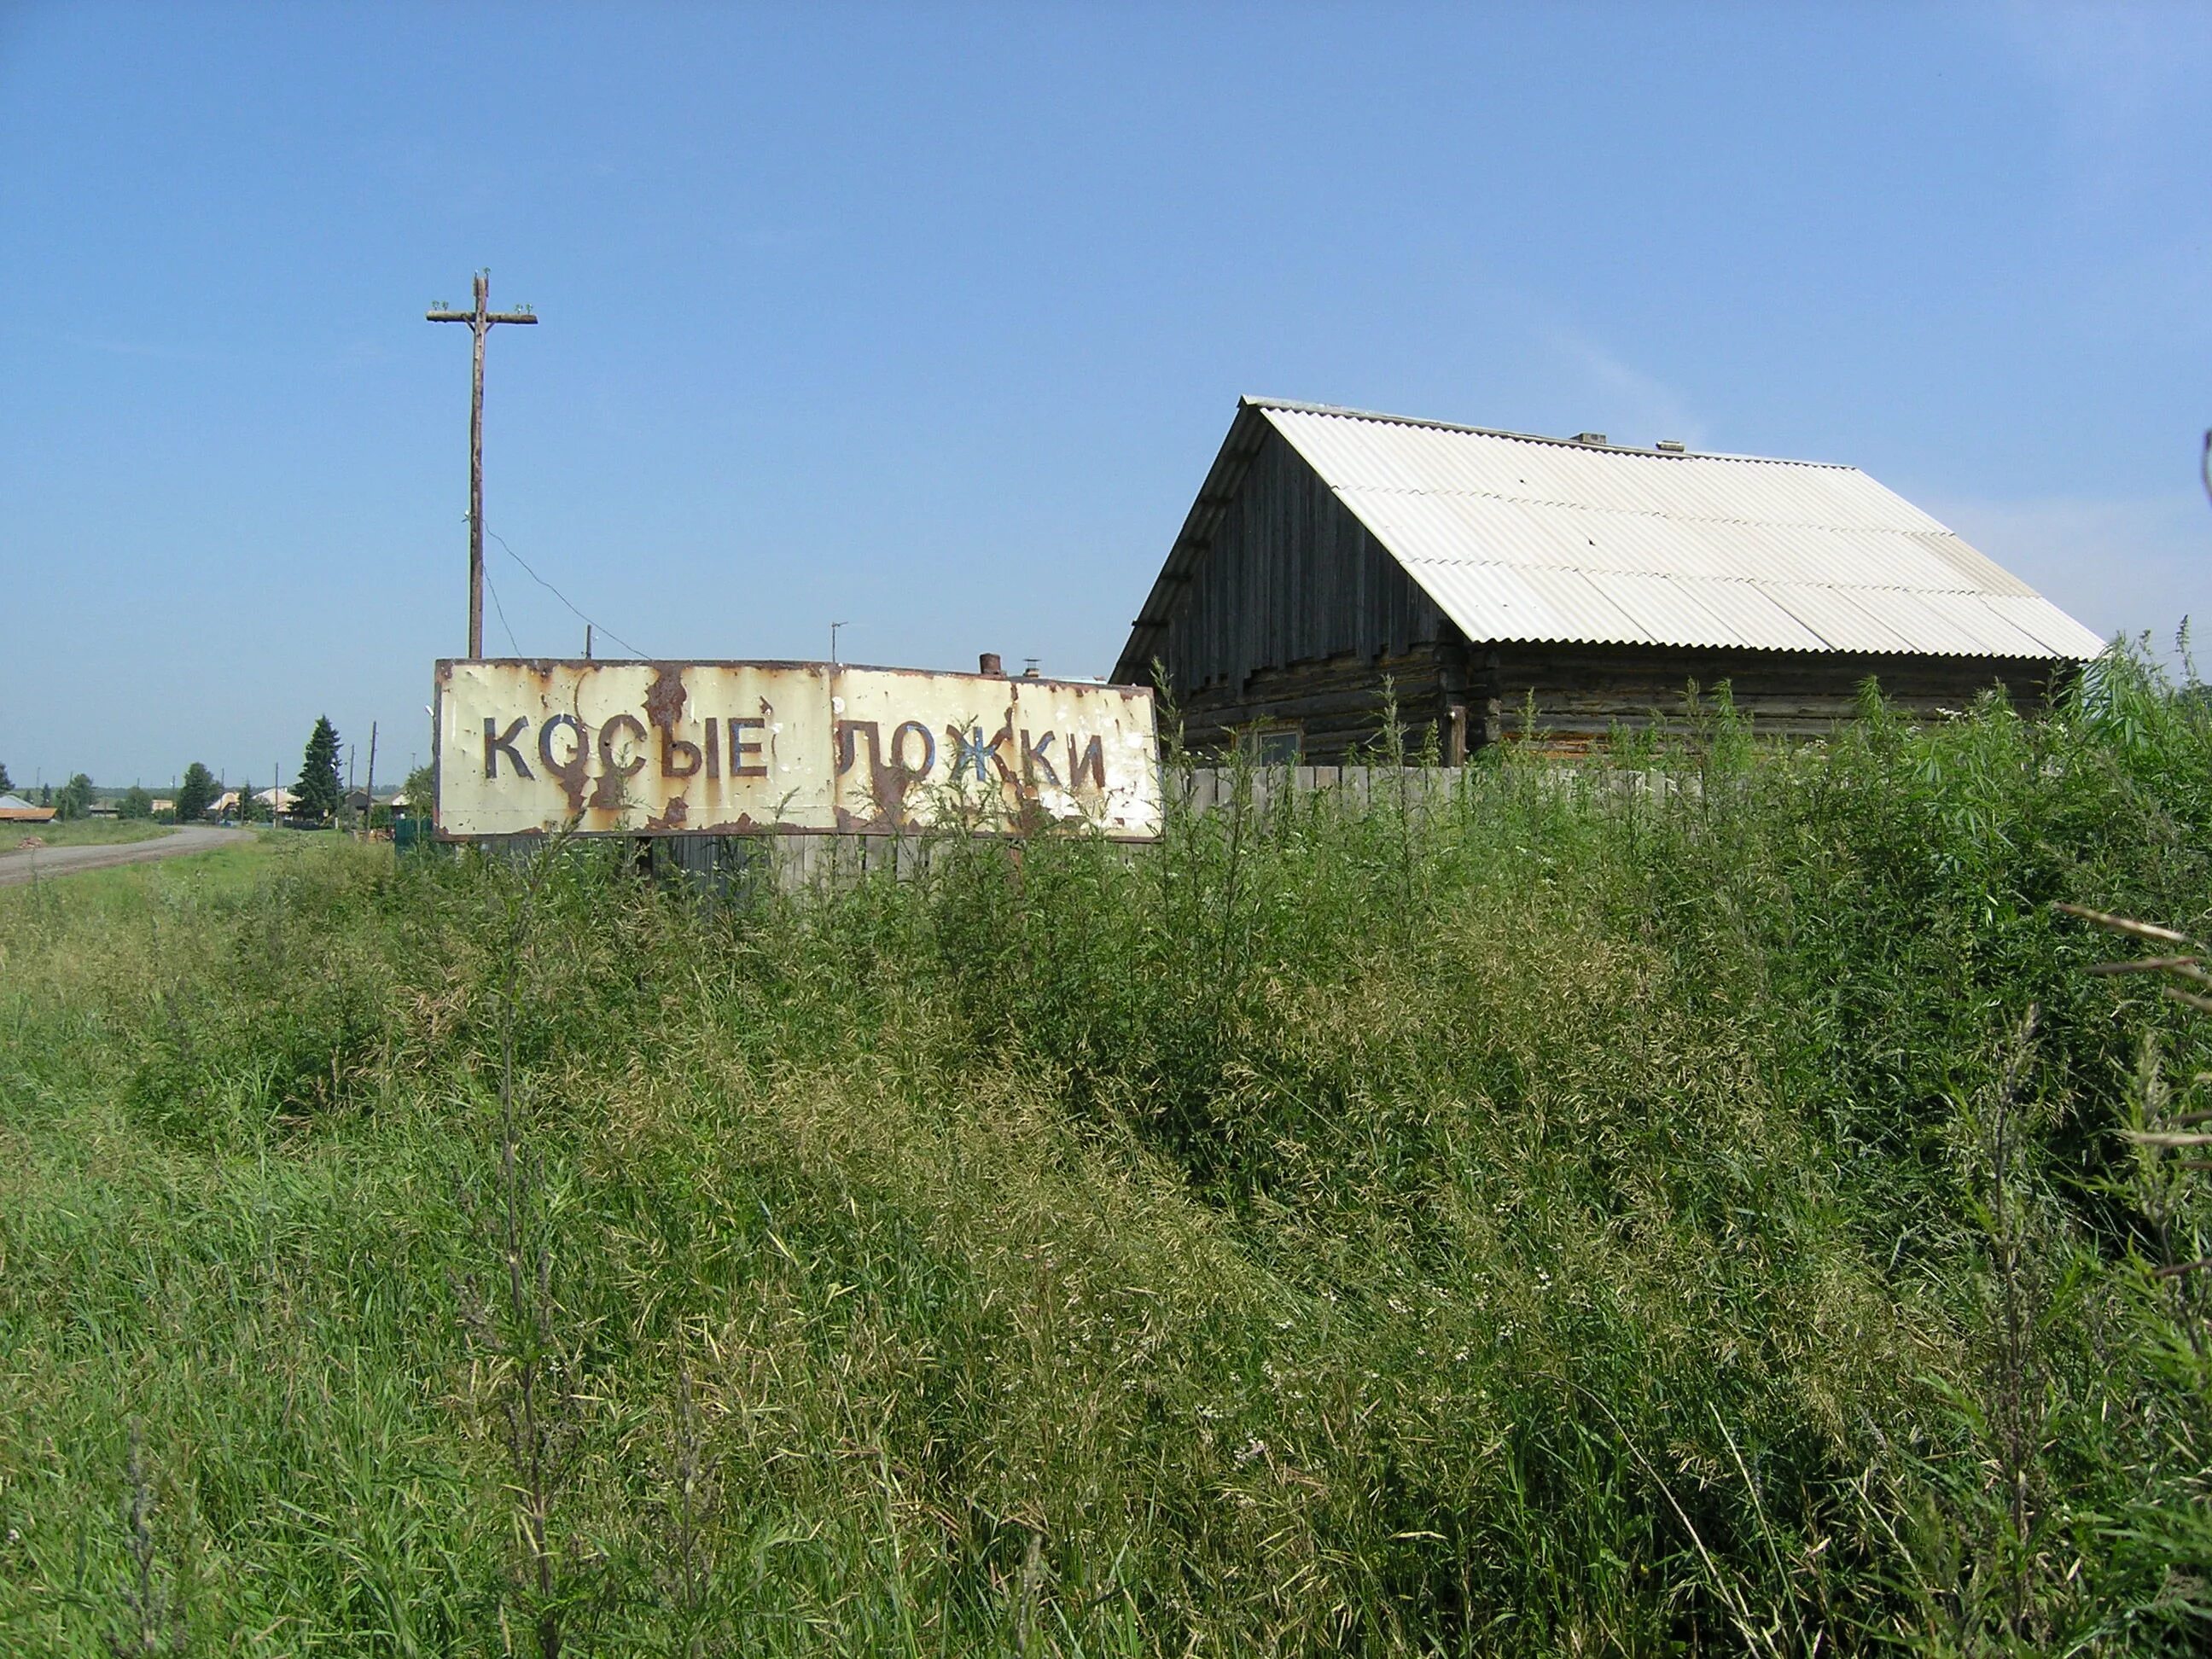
(369, 812)
(480, 322)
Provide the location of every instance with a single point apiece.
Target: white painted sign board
(528, 746)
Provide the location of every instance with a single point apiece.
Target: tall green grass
(1623, 1209)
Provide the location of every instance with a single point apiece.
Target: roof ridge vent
(1589, 437)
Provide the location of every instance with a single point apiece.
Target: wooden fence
(731, 865)
(1209, 788)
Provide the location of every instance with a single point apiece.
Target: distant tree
(195, 794)
(75, 801)
(421, 790)
(46, 795)
(315, 796)
(135, 803)
(7, 783)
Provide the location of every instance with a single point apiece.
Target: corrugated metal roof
(1520, 537)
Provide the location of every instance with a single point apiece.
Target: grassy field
(1584, 1219)
(79, 832)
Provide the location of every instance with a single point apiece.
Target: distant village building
(13, 808)
(275, 801)
(1480, 572)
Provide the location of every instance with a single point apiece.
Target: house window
(1270, 746)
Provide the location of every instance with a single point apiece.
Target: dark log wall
(1581, 691)
(1336, 706)
(1291, 576)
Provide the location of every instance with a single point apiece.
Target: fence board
(729, 867)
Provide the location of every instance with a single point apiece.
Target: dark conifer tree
(315, 796)
(195, 794)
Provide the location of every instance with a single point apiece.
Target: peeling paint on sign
(532, 746)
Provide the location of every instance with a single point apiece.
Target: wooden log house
(1482, 573)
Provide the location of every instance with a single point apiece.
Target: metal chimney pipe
(988, 663)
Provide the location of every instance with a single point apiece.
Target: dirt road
(46, 861)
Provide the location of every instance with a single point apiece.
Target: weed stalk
(154, 1621)
(520, 1337)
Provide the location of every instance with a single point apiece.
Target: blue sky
(930, 320)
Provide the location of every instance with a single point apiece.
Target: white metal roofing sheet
(1752, 553)
(1829, 612)
(1993, 634)
(1525, 538)
(1905, 616)
(1499, 594)
(1977, 571)
(2036, 617)
(1595, 615)
(1749, 609)
(1664, 608)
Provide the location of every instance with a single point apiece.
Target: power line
(598, 626)
(511, 643)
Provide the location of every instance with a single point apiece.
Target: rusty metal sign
(530, 746)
